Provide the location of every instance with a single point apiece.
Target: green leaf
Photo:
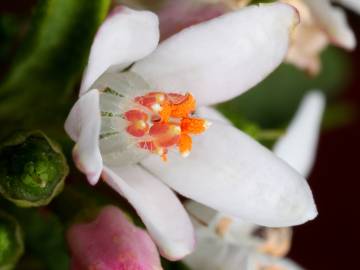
(11, 241)
(32, 169)
(50, 62)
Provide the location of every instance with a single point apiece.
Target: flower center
(163, 120)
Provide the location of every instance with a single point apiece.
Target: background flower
(111, 241)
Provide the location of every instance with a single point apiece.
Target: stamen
(164, 122)
(185, 145)
(194, 125)
(184, 108)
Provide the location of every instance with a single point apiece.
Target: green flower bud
(32, 169)
(11, 242)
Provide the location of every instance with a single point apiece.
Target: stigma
(161, 121)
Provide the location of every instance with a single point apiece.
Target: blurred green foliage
(37, 92)
(44, 239)
(272, 103)
(255, 2)
(9, 28)
(49, 63)
(11, 241)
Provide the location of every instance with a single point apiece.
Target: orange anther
(138, 128)
(184, 108)
(165, 135)
(185, 144)
(165, 112)
(176, 98)
(194, 125)
(135, 115)
(147, 145)
(161, 120)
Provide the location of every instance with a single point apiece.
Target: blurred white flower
(321, 24)
(116, 124)
(229, 243)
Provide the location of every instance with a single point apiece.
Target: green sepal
(32, 169)
(11, 241)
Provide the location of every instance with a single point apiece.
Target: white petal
(212, 115)
(298, 146)
(333, 20)
(351, 4)
(232, 173)
(237, 232)
(269, 262)
(83, 126)
(200, 212)
(125, 37)
(221, 58)
(158, 207)
(213, 254)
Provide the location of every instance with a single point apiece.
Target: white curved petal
(333, 20)
(351, 4)
(229, 229)
(125, 37)
(212, 115)
(298, 146)
(259, 261)
(83, 126)
(200, 213)
(232, 173)
(158, 207)
(223, 57)
(212, 253)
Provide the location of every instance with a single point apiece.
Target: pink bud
(111, 242)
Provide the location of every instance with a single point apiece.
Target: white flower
(228, 243)
(226, 170)
(321, 24)
(298, 146)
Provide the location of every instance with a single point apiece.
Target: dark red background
(330, 241)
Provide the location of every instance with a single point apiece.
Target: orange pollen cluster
(163, 120)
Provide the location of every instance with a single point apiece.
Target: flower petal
(111, 242)
(159, 208)
(232, 173)
(125, 37)
(213, 253)
(333, 20)
(200, 212)
(83, 126)
(298, 146)
(351, 4)
(212, 115)
(221, 58)
(260, 261)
